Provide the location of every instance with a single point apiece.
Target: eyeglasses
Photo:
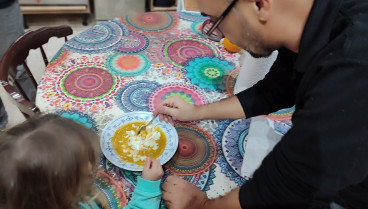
(210, 29)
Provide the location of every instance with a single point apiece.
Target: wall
(109, 9)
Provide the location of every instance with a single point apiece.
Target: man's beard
(256, 38)
(256, 55)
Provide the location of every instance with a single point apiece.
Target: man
(322, 68)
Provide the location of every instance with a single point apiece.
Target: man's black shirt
(324, 156)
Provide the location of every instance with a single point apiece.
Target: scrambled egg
(135, 149)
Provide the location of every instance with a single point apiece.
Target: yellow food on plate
(135, 149)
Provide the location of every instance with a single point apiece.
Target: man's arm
(179, 109)
(229, 108)
(276, 91)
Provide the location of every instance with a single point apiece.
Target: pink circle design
(152, 22)
(196, 151)
(181, 51)
(88, 82)
(188, 93)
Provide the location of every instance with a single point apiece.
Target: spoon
(143, 128)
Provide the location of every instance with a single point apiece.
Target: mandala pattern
(222, 159)
(196, 151)
(196, 27)
(233, 143)
(88, 82)
(282, 115)
(281, 127)
(111, 189)
(136, 43)
(58, 59)
(191, 16)
(188, 93)
(181, 51)
(209, 73)
(128, 65)
(154, 22)
(55, 96)
(134, 96)
(101, 38)
(203, 180)
(231, 80)
(80, 118)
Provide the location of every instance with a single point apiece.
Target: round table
(132, 63)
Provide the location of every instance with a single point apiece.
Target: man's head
(260, 26)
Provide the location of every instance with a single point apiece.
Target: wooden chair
(17, 54)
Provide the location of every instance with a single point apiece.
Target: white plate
(116, 123)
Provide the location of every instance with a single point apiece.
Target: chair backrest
(16, 56)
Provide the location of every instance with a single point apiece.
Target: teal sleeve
(147, 195)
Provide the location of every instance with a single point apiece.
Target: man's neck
(294, 21)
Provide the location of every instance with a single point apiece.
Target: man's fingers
(168, 204)
(166, 195)
(166, 119)
(168, 187)
(164, 188)
(171, 111)
(171, 121)
(161, 117)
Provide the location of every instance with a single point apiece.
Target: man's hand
(180, 194)
(175, 108)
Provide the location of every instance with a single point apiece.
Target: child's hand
(152, 170)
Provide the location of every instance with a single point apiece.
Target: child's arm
(147, 194)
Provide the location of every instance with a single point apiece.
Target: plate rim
(140, 168)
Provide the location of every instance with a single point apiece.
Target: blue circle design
(209, 73)
(191, 16)
(233, 143)
(281, 127)
(101, 38)
(134, 96)
(195, 25)
(79, 117)
(226, 168)
(203, 180)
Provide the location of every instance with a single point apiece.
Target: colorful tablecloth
(131, 64)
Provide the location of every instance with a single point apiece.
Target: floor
(34, 60)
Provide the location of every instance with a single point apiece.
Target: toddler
(49, 162)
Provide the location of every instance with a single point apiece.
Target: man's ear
(264, 9)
